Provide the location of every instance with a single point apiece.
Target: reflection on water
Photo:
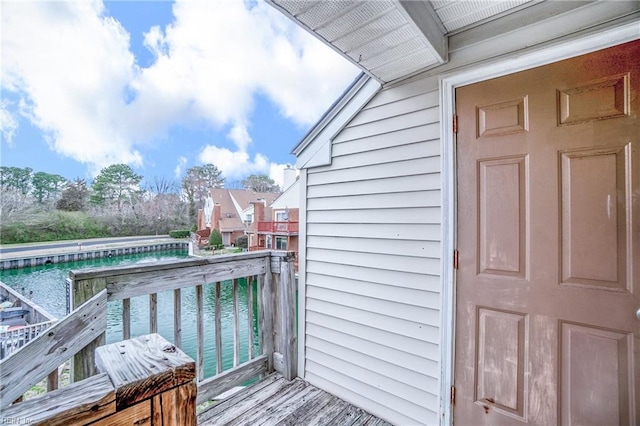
(48, 283)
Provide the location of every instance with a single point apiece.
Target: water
(48, 283)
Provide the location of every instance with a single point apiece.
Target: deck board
(275, 401)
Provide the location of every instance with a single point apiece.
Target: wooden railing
(82, 332)
(42, 356)
(275, 227)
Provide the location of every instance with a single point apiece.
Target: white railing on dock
(12, 340)
(272, 273)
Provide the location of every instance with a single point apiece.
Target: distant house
(276, 225)
(470, 216)
(229, 214)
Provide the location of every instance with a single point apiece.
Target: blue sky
(161, 86)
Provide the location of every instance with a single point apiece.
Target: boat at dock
(21, 320)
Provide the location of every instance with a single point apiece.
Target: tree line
(39, 206)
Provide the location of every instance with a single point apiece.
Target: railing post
(145, 380)
(287, 308)
(83, 364)
(153, 381)
(265, 313)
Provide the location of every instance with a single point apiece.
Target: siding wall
(373, 235)
(373, 229)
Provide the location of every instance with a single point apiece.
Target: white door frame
(448, 83)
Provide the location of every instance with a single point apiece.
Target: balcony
(278, 227)
(149, 378)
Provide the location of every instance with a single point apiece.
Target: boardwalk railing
(272, 272)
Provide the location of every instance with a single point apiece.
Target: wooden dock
(276, 401)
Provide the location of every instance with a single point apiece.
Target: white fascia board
(315, 148)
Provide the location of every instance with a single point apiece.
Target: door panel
(549, 244)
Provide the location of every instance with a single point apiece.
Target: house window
(282, 216)
(249, 218)
(268, 241)
(281, 243)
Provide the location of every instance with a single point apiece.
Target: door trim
(514, 62)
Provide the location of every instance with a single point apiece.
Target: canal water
(48, 284)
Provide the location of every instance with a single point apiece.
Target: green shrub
(242, 241)
(52, 226)
(215, 239)
(184, 233)
(194, 228)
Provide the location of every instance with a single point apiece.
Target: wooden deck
(275, 401)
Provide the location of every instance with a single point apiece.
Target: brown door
(548, 284)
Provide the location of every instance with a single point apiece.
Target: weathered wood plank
(288, 406)
(177, 318)
(250, 316)
(265, 314)
(103, 272)
(138, 414)
(52, 348)
(270, 404)
(153, 313)
(250, 403)
(127, 282)
(236, 325)
(220, 383)
(287, 308)
(83, 290)
(79, 403)
(218, 327)
(276, 401)
(348, 415)
(199, 333)
(126, 319)
(318, 412)
(144, 366)
(307, 413)
(278, 362)
(246, 399)
(175, 407)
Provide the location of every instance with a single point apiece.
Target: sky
(159, 85)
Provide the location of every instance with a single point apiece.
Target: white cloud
(182, 162)
(276, 172)
(8, 123)
(70, 66)
(240, 135)
(74, 70)
(234, 164)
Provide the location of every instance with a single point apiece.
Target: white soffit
(379, 36)
(391, 39)
(457, 14)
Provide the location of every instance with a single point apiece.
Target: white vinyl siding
(372, 272)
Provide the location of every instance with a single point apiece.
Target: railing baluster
(200, 333)
(250, 315)
(153, 313)
(52, 380)
(177, 318)
(126, 319)
(218, 320)
(236, 325)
